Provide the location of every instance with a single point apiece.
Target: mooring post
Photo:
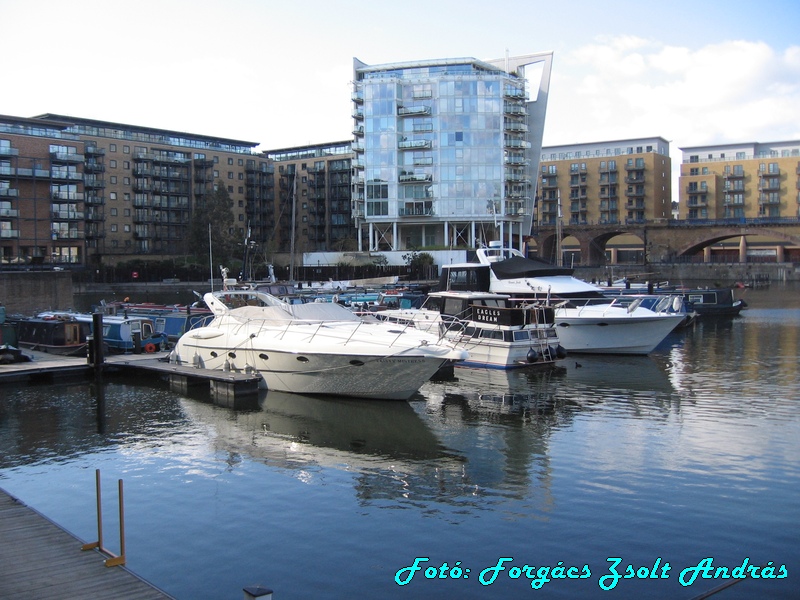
(97, 340)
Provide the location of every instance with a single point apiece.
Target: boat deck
(38, 559)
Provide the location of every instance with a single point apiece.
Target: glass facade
(440, 143)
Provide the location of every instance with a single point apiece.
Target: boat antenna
(294, 225)
(210, 258)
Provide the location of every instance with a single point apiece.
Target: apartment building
(313, 197)
(84, 192)
(611, 182)
(740, 181)
(445, 150)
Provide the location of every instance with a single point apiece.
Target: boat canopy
(519, 266)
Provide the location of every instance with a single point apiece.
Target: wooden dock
(39, 559)
(229, 389)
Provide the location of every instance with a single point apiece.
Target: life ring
(149, 348)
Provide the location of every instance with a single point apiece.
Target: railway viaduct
(666, 241)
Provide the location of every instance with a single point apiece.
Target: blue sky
(278, 73)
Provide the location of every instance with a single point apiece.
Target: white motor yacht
(586, 320)
(314, 348)
(496, 334)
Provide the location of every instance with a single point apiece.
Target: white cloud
(627, 87)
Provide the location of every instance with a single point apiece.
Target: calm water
(688, 454)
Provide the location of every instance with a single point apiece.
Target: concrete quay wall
(723, 274)
(29, 292)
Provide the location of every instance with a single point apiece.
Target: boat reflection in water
(299, 425)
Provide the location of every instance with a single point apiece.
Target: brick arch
(703, 239)
(592, 241)
(664, 240)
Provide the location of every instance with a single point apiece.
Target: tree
(216, 212)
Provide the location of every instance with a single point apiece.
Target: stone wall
(29, 292)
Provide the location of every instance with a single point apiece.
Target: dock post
(97, 342)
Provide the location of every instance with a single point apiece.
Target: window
(112, 164)
(113, 228)
(112, 147)
(126, 149)
(113, 212)
(112, 195)
(113, 179)
(230, 161)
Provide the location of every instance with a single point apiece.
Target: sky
(279, 73)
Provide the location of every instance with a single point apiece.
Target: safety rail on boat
(659, 303)
(286, 326)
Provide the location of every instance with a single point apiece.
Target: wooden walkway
(38, 559)
(229, 389)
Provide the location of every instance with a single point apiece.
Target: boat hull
(357, 375)
(608, 335)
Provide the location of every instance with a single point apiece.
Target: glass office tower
(444, 151)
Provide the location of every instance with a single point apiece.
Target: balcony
(66, 157)
(72, 234)
(415, 177)
(769, 199)
(733, 175)
(9, 212)
(93, 166)
(93, 183)
(516, 159)
(358, 97)
(769, 186)
(93, 200)
(515, 93)
(9, 192)
(517, 176)
(407, 111)
(358, 132)
(515, 143)
(416, 209)
(74, 196)
(66, 175)
(9, 233)
(550, 183)
(67, 215)
(8, 151)
(514, 109)
(358, 115)
(414, 144)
